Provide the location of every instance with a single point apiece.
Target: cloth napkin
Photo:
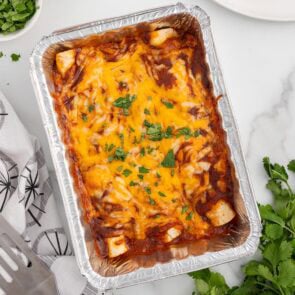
(27, 202)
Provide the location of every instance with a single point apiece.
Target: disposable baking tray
(246, 239)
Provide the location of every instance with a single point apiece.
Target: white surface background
(258, 62)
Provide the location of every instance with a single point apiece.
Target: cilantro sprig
(124, 103)
(275, 272)
(155, 132)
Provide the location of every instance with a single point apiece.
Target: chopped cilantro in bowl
(17, 17)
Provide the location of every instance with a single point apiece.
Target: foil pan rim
(173, 267)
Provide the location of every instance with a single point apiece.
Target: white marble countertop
(258, 62)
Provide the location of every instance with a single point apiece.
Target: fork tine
(11, 254)
(16, 238)
(4, 264)
(4, 285)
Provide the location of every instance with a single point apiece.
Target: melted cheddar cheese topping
(144, 141)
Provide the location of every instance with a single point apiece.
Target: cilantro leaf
(147, 112)
(143, 170)
(142, 152)
(126, 172)
(184, 209)
(152, 201)
(169, 160)
(119, 155)
(15, 57)
(209, 283)
(124, 103)
(154, 131)
(184, 131)
(291, 166)
(84, 117)
(267, 213)
(273, 231)
(1, 54)
(276, 252)
(91, 108)
(161, 194)
(168, 104)
(189, 216)
(132, 183)
(286, 277)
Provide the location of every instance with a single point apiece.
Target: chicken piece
(117, 246)
(171, 234)
(65, 60)
(221, 213)
(160, 36)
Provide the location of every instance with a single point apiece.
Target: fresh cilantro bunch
(275, 272)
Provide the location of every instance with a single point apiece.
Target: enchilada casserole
(144, 140)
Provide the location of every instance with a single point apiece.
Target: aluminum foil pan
(246, 239)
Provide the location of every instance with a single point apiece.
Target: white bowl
(30, 23)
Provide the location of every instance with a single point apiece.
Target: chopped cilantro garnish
(168, 133)
(148, 190)
(154, 131)
(142, 169)
(140, 176)
(168, 104)
(119, 155)
(131, 129)
(14, 14)
(142, 152)
(121, 136)
(158, 175)
(156, 183)
(190, 216)
(169, 160)
(184, 131)
(161, 194)
(146, 123)
(124, 103)
(91, 108)
(197, 133)
(120, 168)
(184, 209)
(15, 57)
(1, 54)
(84, 117)
(147, 112)
(126, 172)
(108, 148)
(152, 201)
(132, 183)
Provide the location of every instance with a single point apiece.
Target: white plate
(277, 10)
(30, 23)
